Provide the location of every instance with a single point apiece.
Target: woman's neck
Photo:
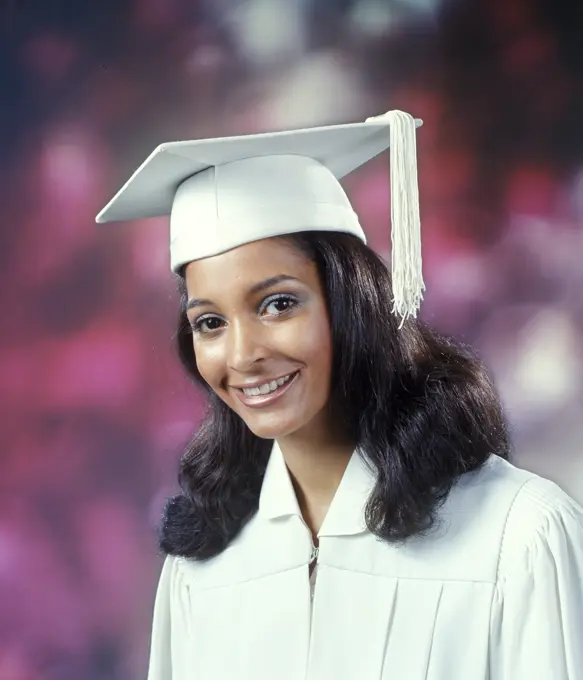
(316, 466)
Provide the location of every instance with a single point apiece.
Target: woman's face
(261, 335)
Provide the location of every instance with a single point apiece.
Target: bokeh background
(94, 410)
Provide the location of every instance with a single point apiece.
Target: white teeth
(266, 387)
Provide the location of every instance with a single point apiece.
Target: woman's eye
(279, 305)
(206, 324)
(272, 306)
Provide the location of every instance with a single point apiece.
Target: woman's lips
(261, 400)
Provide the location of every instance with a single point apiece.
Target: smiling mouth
(267, 387)
(266, 393)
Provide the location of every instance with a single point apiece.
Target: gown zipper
(311, 575)
(314, 555)
(313, 559)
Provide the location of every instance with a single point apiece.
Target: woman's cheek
(313, 340)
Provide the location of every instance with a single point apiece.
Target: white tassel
(407, 269)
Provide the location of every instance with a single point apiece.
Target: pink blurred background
(94, 409)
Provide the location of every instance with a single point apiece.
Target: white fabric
(247, 200)
(223, 193)
(150, 191)
(313, 577)
(407, 268)
(495, 594)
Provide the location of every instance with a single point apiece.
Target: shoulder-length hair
(421, 408)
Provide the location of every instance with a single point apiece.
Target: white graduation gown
(495, 594)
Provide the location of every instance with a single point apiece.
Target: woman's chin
(271, 428)
(270, 432)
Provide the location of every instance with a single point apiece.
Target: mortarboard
(223, 193)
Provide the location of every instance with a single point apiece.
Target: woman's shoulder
(260, 550)
(524, 512)
(542, 522)
(498, 483)
(532, 502)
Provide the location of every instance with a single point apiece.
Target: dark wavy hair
(421, 408)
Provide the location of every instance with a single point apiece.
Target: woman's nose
(245, 346)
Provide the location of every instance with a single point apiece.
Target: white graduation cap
(223, 193)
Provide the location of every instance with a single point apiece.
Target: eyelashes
(207, 324)
(197, 326)
(279, 298)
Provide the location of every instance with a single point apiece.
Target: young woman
(347, 507)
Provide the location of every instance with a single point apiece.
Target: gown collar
(346, 512)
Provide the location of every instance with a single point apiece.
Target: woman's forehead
(248, 264)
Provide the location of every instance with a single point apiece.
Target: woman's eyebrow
(256, 288)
